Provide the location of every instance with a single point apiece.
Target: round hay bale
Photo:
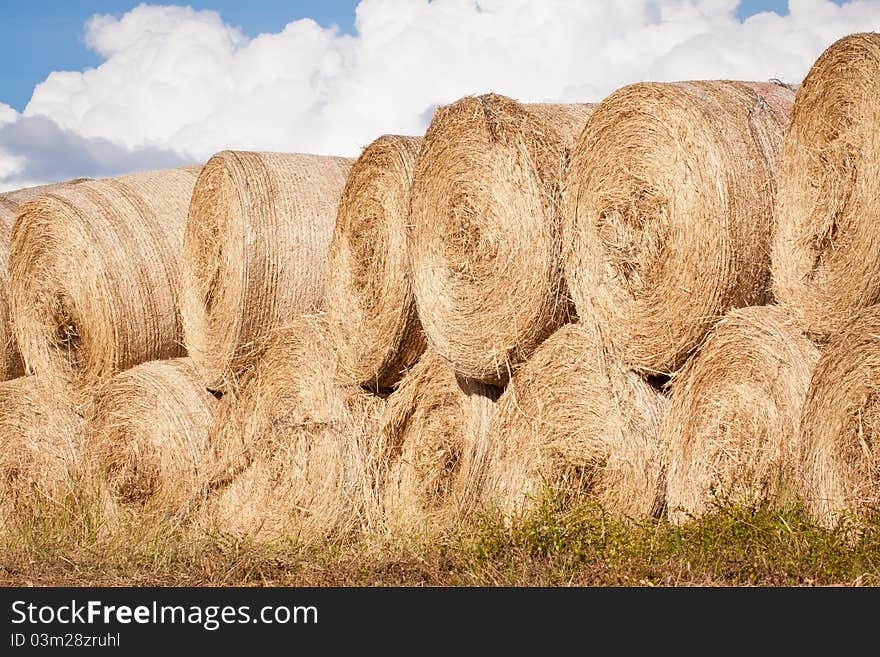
(40, 447)
(826, 254)
(484, 239)
(290, 449)
(574, 422)
(840, 425)
(369, 290)
(255, 251)
(93, 275)
(431, 430)
(10, 202)
(147, 431)
(669, 212)
(733, 416)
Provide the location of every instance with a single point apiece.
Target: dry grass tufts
(575, 422)
(826, 254)
(484, 237)
(669, 205)
(733, 417)
(369, 288)
(255, 253)
(93, 275)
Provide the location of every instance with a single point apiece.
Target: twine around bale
(93, 275)
(255, 253)
(734, 412)
(484, 237)
(826, 253)
(669, 204)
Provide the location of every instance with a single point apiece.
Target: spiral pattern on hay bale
(669, 206)
(431, 430)
(575, 422)
(147, 430)
(369, 286)
(826, 254)
(734, 413)
(484, 238)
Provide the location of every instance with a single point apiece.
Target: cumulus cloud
(37, 150)
(178, 84)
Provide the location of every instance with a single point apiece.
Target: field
(559, 544)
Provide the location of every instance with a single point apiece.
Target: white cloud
(179, 83)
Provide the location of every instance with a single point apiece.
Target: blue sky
(171, 84)
(40, 36)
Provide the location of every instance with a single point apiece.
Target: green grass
(559, 544)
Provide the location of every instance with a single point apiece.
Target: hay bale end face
(484, 237)
(840, 425)
(669, 212)
(575, 422)
(255, 253)
(41, 473)
(147, 431)
(93, 275)
(734, 412)
(290, 449)
(10, 203)
(826, 254)
(369, 288)
(432, 430)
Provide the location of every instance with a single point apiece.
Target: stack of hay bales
(825, 262)
(146, 433)
(362, 319)
(255, 253)
(93, 268)
(295, 446)
(667, 224)
(484, 240)
(93, 273)
(486, 274)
